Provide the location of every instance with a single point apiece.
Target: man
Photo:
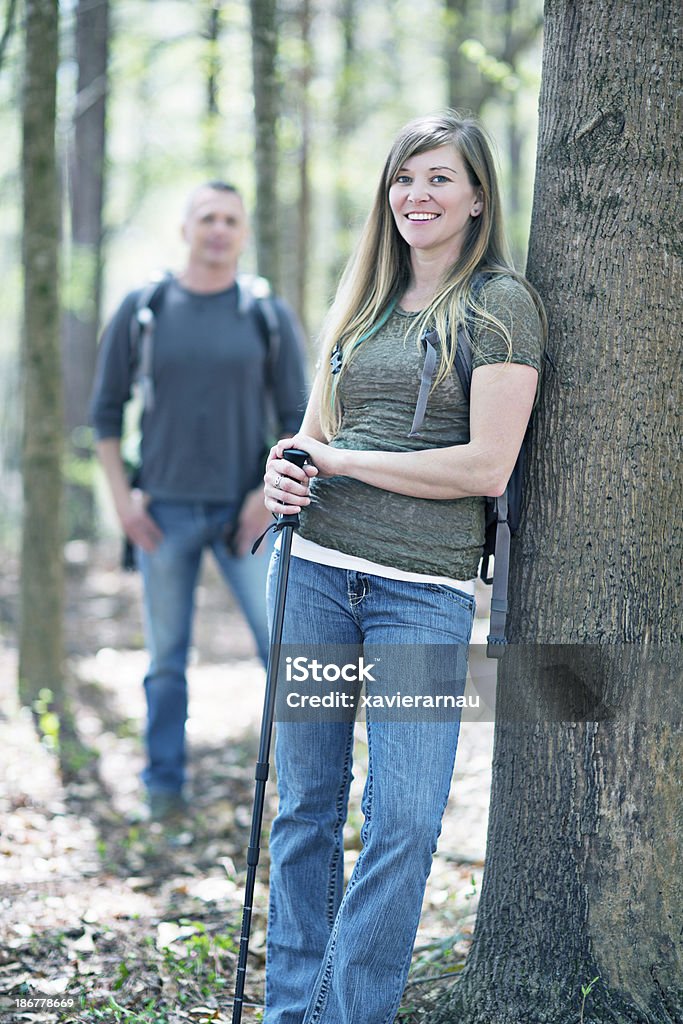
(212, 377)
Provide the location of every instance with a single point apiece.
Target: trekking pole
(287, 525)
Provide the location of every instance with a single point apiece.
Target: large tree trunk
(81, 319)
(40, 654)
(266, 108)
(584, 870)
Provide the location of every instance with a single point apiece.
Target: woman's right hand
(285, 485)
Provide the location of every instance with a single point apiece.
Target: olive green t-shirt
(378, 393)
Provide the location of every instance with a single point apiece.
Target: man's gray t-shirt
(378, 394)
(205, 437)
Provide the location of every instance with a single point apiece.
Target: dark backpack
(503, 513)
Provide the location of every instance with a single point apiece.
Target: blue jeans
(338, 956)
(170, 575)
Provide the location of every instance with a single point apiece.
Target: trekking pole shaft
(288, 525)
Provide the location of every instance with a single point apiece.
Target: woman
(391, 534)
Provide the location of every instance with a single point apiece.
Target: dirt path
(132, 923)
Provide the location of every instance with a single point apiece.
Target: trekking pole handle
(298, 457)
(295, 455)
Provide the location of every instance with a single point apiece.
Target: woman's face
(432, 201)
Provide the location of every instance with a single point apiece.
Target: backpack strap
(463, 351)
(141, 338)
(463, 357)
(253, 293)
(430, 341)
(496, 641)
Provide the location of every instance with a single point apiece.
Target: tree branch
(9, 27)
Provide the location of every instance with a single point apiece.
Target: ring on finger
(278, 481)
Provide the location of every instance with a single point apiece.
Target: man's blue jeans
(340, 956)
(170, 576)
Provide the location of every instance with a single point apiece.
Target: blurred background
(294, 101)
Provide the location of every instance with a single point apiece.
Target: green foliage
(113, 1011)
(585, 992)
(48, 719)
(202, 959)
(494, 70)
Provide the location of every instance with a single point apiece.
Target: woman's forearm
(438, 473)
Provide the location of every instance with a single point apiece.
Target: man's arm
(130, 503)
(111, 391)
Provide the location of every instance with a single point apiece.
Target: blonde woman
(392, 527)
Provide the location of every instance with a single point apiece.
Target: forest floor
(106, 919)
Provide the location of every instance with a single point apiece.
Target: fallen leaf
(50, 986)
(169, 932)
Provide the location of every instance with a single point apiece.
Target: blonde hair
(379, 271)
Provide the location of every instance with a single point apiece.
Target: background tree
(40, 652)
(584, 871)
(305, 77)
(84, 261)
(212, 120)
(346, 116)
(484, 43)
(264, 31)
(8, 28)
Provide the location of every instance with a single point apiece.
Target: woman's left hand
(286, 486)
(327, 460)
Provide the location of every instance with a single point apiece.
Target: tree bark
(40, 650)
(584, 870)
(266, 110)
(86, 195)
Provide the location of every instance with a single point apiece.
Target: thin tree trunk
(346, 120)
(515, 138)
(266, 110)
(584, 871)
(86, 193)
(304, 204)
(40, 652)
(463, 78)
(212, 120)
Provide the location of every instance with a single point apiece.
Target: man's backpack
(503, 513)
(253, 294)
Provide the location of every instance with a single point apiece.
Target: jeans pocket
(458, 596)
